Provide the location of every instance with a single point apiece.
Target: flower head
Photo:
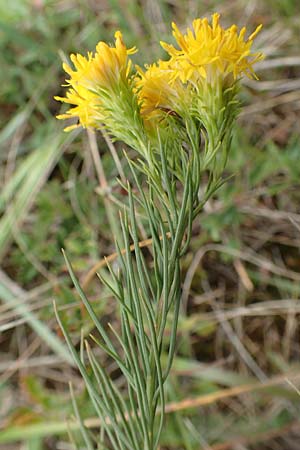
(208, 50)
(158, 90)
(93, 80)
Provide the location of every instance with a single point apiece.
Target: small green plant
(178, 116)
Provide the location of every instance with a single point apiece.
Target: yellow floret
(87, 107)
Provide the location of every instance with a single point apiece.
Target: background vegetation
(234, 381)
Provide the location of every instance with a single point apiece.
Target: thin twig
(203, 400)
(114, 154)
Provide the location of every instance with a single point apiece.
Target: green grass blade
(27, 190)
(41, 329)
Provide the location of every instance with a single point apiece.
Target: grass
(239, 319)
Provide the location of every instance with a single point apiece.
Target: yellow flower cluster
(95, 77)
(157, 90)
(210, 50)
(207, 53)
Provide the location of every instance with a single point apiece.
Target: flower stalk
(178, 115)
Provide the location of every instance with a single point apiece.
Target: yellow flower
(158, 91)
(92, 81)
(209, 51)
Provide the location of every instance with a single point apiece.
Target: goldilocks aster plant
(178, 115)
